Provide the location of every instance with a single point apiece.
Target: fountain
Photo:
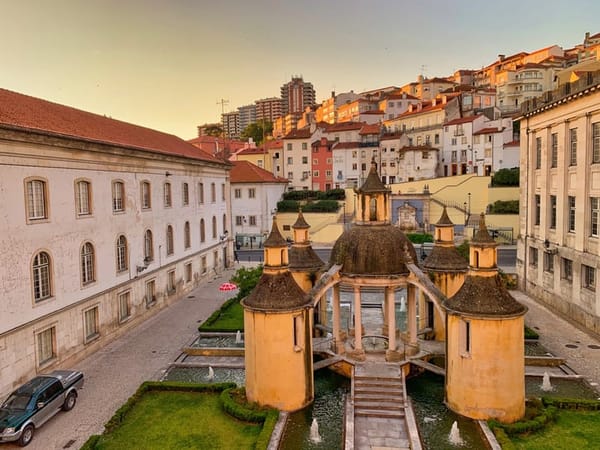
(314, 432)
(546, 386)
(454, 436)
(402, 304)
(238, 337)
(211, 374)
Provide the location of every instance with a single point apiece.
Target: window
(573, 146)
(187, 269)
(187, 237)
(290, 175)
(289, 146)
(146, 195)
(304, 146)
(46, 345)
(588, 277)
(213, 193)
(424, 155)
(566, 269)
(548, 262)
(87, 263)
(216, 259)
(571, 221)
(533, 256)
(122, 253)
(436, 139)
(90, 324)
(214, 227)
(594, 215)
(200, 193)
(454, 141)
(37, 200)
(237, 193)
(465, 337)
(315, 173)
(251, 193)
(169, 240)
(225, 225)
(553, 211)
(118, 196)
(202, 231)
(42, 287)
(171, 281)
(185, 194)
(82, 198)
(554, 151)
(328, 173)
(596, 142)
(290, 160)
(223, 191)
(239, 220)
(148, 247)
(150, 293)
(252, 220)
(124, 306)
(304, 160)
(203, 264)
(538, 153)
(167, 195)
(315, 162)
(538, 208)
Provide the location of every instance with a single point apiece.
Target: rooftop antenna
(223, 102)
(422, 68)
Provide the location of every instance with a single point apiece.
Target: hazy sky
(165, 64)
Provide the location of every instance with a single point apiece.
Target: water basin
(327, 409)
(435, 420)
(535, 349)
(561, 387)
(200, 375)
(217, 341)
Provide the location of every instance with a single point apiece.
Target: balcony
(369, 144)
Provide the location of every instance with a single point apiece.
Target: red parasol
(226, 287)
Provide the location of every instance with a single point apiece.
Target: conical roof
(482, 236)
(303, 258)
(275, 239)
(373, 183)
(444, 219)
(276, 292)
(445, 259)
(300, 222)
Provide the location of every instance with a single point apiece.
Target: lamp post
(344, 216)
(469, 148)
(469, 194)
(465, 209)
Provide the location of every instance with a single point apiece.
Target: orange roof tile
(344, 145)
(488, 130)
(37, 115)
(512, 144)
(246, 172)
(343, 126)
(303, 133)
(370, 129)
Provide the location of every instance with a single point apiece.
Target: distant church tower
(447, 269)
(485, 363)
(277, 334)
(305, 265)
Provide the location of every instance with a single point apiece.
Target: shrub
(503, 439)
(239, 408)
(506, 177)
(419, 238)
(572, 403)
(262, 442)
(536, 418)
(531, 334)
(463, 250)
(504, 207)
(246, 280)
(287, 206)
(322, 206)
(332, 194)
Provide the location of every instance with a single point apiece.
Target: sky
(166, 64)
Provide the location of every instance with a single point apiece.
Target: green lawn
(165, 420)
(231, 318)
(572, 430)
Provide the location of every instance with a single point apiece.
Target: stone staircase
(379, 397)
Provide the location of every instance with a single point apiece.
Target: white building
(558, 252)
(104, 224)
(254, 196)
(295, 162)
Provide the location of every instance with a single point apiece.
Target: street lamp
(469, 194)
(465, 210)
(469, 148)
(344, 216)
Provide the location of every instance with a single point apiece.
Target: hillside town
(110, 222)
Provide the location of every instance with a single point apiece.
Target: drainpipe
(526, 209)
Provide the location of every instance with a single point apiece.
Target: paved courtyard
(115, 372)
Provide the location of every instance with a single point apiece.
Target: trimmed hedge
(531, 334)
(504, 207)
(536, 418)
(503, 439)
(322, 206)
(506, 177)
(284, 206)
(419, 238)
(262, 443)
(332, 194)
(572, 403)
(245, 412)
(217, 313)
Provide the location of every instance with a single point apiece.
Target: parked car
(35, 402)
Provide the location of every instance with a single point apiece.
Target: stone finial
(482, 235)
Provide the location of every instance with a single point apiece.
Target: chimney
(501, 57)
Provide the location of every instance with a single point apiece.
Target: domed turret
(305, 264)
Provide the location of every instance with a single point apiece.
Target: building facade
(268, 109)
(558, 254)
(109, 223)
(296, 95)
(231, 124)
(247, 115)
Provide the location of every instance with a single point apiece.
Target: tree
(213, 130)
(257, 131)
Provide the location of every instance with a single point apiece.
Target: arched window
(83, 199)
(118, 196)
(214, 227)
(202, 231)
(37, 200)
(185, 194)
(148, 247)
(169, 240)
(224, 224)
(146, 195)
(87, 263)
(42, 286)
(187, 240)
(167, 194)
(122, 259)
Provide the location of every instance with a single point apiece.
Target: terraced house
(103, 223)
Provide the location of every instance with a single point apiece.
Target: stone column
(412, 320)
(357, 320)
(384, 310)
(391, 318)
(336, 319)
